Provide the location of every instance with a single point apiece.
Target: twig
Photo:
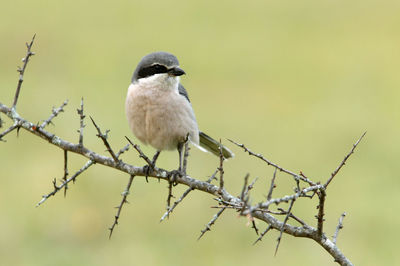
(344, 160)
(244, 189)
(250, 187)
(264, 205)
(21, 71)
(63, 184)
(141, 154)
(123, 201)
(283, 225)
(221, 168)
(254, 225)
(65, 172)
(54, 113)
(210, 223)
(339, 226)
(271, 188)
(269, 227)
(169, 210)
(121, 151)
(321, 207)
(82, 125)
(260, 156)
(291, 215)
(8, 130)
(104, 137)
(170, 183)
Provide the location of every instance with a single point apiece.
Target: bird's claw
(147, 170)
(174, 175)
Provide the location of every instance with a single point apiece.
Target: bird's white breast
(158, 115)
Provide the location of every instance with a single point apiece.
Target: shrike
(159, 111)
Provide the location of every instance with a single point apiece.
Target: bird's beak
(176, 71)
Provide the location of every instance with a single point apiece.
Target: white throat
(160, 81)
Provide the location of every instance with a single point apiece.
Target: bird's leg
(155, 157)
(175, 173)
(180, 149)
(149, 168)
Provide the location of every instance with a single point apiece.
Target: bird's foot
(148, 169)
(174, 175)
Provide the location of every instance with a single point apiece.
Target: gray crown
(163, 58)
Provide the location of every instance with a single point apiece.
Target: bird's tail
(212, 146)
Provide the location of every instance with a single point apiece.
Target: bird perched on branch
(159, 111)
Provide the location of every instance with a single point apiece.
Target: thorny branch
(54, 113)
(82, 125)
(21, 71)
(183, 196)
(104, 137)
(65, 171)
(123, 201)
(210, 223)
(221, 168)
(226, 200)
(338, 228)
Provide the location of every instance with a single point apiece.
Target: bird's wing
(183, 92)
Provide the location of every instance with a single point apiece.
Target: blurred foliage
(296, 81)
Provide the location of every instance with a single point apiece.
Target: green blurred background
(299, 81)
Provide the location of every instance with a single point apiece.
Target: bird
(159, 111)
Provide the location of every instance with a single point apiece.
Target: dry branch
(226, 200)
(123, 201)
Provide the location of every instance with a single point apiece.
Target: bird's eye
(152, 70)
(160, 68)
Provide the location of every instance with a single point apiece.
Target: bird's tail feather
(212, 146)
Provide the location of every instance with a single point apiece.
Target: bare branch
(344, 160)
(221, 168)
(65, 172)
(82, 125)
(8, 130)
(295, 196)
(170, 183)
(260, 156)
(291, 215)
(21, 71)
(141, 154)
(54, 113)
(210, 223)
(244, 189)
(250, 187)
(272, 185)
(121, 151)
(339, 226)
(321, 207)
(269, 227)
(169, 210)
(65, 183)
(123, 201)
(254, 225)
(283, 225)
(104, 137)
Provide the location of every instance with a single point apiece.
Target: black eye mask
(152, 70)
